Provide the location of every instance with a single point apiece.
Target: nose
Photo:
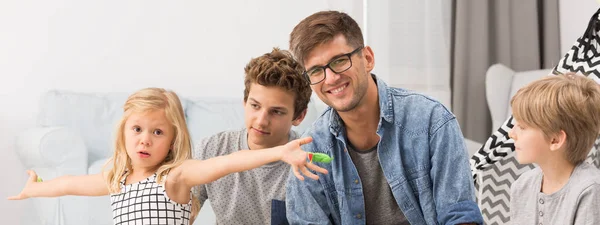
(145, 139)
(262, 118)
(331, 77)
(511, 134)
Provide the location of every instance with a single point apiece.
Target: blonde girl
(151, 174)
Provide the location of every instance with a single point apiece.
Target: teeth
(337, 90)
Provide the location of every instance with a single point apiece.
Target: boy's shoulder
(585, 175)
(221, 143)
(223, 135)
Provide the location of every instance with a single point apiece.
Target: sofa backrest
(520, 80)
(95, 116)
(501, 83)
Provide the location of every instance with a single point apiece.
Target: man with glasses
(398, 156)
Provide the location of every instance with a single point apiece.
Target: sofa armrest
(54, 152)
(498, 82)
(58, 148)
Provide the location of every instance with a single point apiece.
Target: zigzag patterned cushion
(494, 195)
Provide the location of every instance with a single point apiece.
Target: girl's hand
(25, 193)
(298, 159)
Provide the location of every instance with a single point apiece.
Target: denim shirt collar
(386, 108)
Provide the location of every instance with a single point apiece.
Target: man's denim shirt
(423, 157)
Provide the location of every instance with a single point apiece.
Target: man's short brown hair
(563, 102)
(320, 28)
(279, 69)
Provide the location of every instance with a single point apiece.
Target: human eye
(315, 72)
(339, 61)
(137, 129)
(158, 132)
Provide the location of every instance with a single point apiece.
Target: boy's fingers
(317, 168)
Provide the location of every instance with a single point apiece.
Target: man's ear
(300, 117)
(369, 58)
(558, 140)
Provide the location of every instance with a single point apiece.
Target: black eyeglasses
(337, 65)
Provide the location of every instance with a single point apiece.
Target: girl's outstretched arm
(83, 185)
(196, 172)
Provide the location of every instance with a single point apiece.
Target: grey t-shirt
(380, 205)
(245, 197)
(578, 202)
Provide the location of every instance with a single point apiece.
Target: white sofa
(74, 135)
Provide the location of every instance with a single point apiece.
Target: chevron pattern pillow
(494, 198)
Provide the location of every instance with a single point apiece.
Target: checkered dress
(146, 202)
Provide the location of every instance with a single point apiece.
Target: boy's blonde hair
(567, 102)
(145, 100)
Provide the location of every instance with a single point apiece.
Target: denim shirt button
(358, 216)
(356, 182)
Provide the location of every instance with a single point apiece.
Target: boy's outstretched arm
(84, 185)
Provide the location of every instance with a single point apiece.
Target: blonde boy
(557, 119)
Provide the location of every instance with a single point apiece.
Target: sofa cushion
(45, 147)
(93, 116)
(207, 116)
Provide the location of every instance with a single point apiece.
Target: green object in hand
(40, 179)
(319, 157)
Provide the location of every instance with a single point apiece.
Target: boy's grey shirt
(244, 197)
(578, 202)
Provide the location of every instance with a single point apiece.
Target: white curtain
(411, 42)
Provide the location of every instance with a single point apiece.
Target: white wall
(193, 47)
(574, 16)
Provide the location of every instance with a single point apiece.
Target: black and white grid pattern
(146, 202)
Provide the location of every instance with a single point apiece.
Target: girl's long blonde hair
(150, 99)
